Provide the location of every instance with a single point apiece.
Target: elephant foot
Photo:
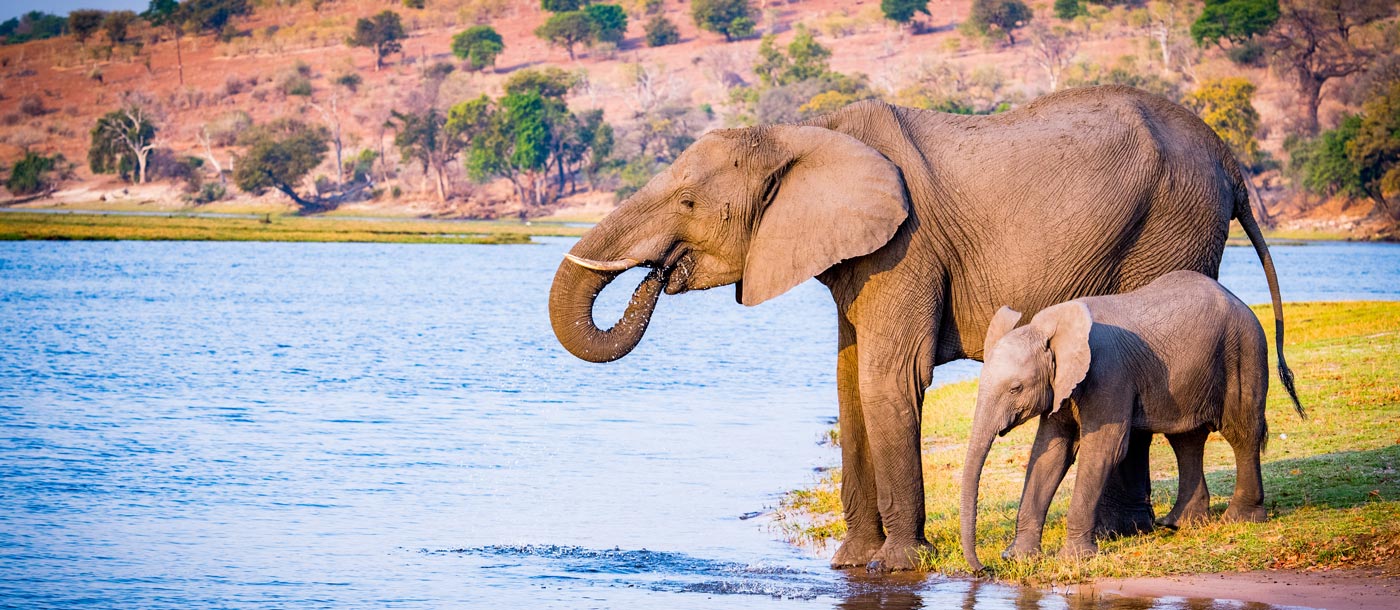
(856, 551)
(1182, 517)
(1253, 514)
(1020, 551)
(1114, 519)
(898, 556)
(1079, 550)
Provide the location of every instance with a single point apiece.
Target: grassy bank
(78, 226)
(1332, 483)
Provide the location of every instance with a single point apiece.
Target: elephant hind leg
(1192, 495)
(1126, 506)
(1247, 503)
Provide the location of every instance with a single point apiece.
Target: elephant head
(764, 208)
(1026, 373)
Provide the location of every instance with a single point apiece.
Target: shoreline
(1345, 589)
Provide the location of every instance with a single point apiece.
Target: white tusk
(622, 265)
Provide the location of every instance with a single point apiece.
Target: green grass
(77, 226)
(1332, 483)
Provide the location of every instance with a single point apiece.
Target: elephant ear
(1066, 328)
(831, 198)
(1002, 323)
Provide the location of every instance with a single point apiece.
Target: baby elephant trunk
(977, 451)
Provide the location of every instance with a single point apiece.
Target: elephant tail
(1245, 214)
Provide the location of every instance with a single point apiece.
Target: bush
(349, 80)
(1067, 9)
(31, 173)
(1322, 164)
(999, 17)
(414, 4)
(1248, 53)
(661, 32)
(902, 11)
(209, 193)
(296, 84)
(32, 105)
(225, 129)
(732, 18)
(1226, 105)
(609, 22)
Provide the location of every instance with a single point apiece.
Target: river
(193, 425)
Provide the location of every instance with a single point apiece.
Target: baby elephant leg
(1248, 502)
(1192, 496)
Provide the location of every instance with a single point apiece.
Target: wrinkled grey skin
(1180, 356)
(921, 224)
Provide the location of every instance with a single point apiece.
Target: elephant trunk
(977, 449)
(578, 282)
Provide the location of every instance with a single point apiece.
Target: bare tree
(1053, 50)
(205, 141)
(1319, 40)
(332, 118)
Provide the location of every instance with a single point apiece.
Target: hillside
(691, 84)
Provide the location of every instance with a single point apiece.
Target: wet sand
(1332, 590)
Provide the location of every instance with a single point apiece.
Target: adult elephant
(922, 224)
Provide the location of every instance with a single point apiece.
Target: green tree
(34, 25)
(1226, 105)
(550, 82)
(30, 174)
(732, 18)
(1067, 9)
(212, 16)
(661, 32)
(423, 137)
(117, 24)
(609, 22)
(280, 155)
(1376, 149)
(167, 14)
(805, 59)
(83, 23)
(565, 30)
(122, 142)
(562, 6)
(1004, 16)
(1235, 20)
(1323, 165)
(902, 11)
(478, 46)
(381, 33)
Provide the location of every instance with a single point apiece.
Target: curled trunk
(977, 450)
(571, 312)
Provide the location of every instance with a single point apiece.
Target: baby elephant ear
(1066, 328)
(1003, 321)
(830, 198)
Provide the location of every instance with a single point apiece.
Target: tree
(84, 23)
(805, 59)
(1322, 164)
(565, 30)
(1226, 105)
(122, 142)
(1067, 9)
(732, 18)
(902, 11)
(661, 32)
(609, 22)
(478, 46)
(34, 25)
(280, 155)
(211, 16)
(30, 174)
(561, 6)
(1004, 15)
(167, 14)
(514, 145)
(1319, 40)
(422, 137)
(380, 33)
(550, 82)
(1235, 20)
(1375, 151)
(117, 24)
(1053, 50)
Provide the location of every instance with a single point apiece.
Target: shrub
(1067, 9)
(225, 129)
(732, 18)
(661, 32)
(349, 80)
(999, 17)
(1247, 53)
(32, 105)
(31, 174)
(1226, 105)
(609, 22)
(209, 193)
(902, 11)
(414, 4)
(478, 46)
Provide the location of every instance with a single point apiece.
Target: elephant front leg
(1051, 455)
(1102, 447)
(891, 402)
(864, 532)
(1126, 506)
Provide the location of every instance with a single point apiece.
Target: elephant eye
(688, 203)
(1015, 389)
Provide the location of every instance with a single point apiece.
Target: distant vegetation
(404, 120)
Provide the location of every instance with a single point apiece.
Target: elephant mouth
(677, 270)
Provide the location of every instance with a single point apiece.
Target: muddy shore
(1356, 589)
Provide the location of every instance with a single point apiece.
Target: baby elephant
(1180, 356)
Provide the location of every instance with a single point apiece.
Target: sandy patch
(1332, 590)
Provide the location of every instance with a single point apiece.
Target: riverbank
(123, 225)
(1365, 589)
(1332, 481)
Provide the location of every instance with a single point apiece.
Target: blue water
(371, 425)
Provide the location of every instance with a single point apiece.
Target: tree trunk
(441, 182)
(290, 192)
(141, 157)
(1309, 95)
(179, 59)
